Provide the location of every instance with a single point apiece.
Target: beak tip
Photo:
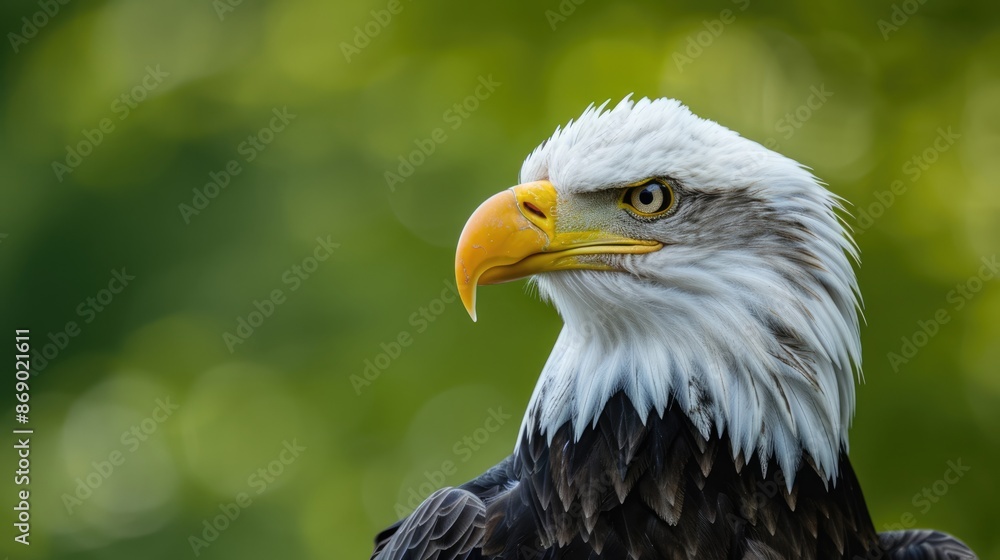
(467, 292)
(470, 307)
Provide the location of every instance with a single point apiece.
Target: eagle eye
(651, 199)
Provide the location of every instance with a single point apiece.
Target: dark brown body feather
(635, 488)
(653, 488)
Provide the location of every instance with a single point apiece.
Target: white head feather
(747, 318)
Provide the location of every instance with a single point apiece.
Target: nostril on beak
(534, 209)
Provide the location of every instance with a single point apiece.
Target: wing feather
(448, 525)
(922, 544)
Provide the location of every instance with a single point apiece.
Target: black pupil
(646, 195)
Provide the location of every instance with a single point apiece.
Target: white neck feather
(710, 347)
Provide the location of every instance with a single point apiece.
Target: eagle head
(692, 268)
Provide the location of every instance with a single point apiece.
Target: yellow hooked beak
(513, 235)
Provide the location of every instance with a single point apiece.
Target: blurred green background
(157, 99)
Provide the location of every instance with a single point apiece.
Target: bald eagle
(697, 401)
